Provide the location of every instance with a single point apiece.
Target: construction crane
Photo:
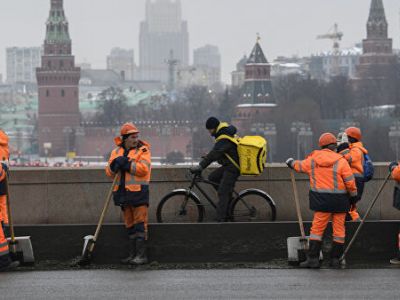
(336, 36)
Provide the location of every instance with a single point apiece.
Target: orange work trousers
(321, 220)
(136, 215)
(3, 209)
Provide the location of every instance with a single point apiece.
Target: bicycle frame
(199, 179)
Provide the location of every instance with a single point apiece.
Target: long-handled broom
(342, 259)
(90, 240)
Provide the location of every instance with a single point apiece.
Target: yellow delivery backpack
(252, 152)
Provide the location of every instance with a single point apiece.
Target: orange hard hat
(128, 128)
(353, 132)
(326, 139)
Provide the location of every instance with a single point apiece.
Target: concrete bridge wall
(199, 243)
(76, 196)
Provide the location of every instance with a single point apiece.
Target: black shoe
(311, 263)
(396, 260)
(141, 253)
(312, 255)
(10, 266)
(131, 251)
(336, 254)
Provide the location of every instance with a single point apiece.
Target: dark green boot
(312, 255)
(141, 253)
(336, 254)
(131, 251)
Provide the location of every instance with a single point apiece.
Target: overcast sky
(287, 27)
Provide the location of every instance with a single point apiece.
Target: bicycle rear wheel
(253, 206)
(180, 207)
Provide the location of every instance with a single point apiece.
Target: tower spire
(377, 11)
(57, 4)
(57, 24)
(377, 26)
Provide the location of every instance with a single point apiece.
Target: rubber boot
(336, 254)
(396, 260)
(312, 255)
(141, 253)
(131, 251)
(6, 264)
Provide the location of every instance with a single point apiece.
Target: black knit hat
(212, 123)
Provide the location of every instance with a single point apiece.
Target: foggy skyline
(287, 27)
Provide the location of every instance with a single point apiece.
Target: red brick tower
(376, 73)
(257, 101)
(58, 87)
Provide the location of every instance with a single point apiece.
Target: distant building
(85, 66)
(253, 114)
(58, 87)
(238, 74)
(322, 66)
(22, 63)
(376, 81)
(283, 66)
(208, 59)
(122, 61)
(163, 34)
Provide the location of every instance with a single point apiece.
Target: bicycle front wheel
(180, 207)
(253, 206)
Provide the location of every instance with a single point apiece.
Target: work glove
(124, 163)
(120, 164)
(342, 141)
(196, 170)
(393, 165)
(290, 162)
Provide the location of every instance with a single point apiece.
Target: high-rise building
(208, 59)
(238, 75)
(375, 83)
(163, 35)
(22, 63)
(58, 87)
(122, 61)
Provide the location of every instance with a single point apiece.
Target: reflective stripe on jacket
(331, 181)
(133, 187)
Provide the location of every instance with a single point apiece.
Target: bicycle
(185, 206)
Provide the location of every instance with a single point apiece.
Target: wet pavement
(202, 284)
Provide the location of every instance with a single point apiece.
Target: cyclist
(224, 151)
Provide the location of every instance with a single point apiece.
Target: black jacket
(221, 147)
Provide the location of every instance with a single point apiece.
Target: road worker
(5, 259)
(4, 159)
(351, 147)
(394, 168)
(226, 154)
(131, 162)
(332, 185)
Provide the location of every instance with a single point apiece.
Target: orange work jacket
(331, 181)
(133, 186)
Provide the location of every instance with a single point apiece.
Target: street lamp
(302, 134)
(67, 132)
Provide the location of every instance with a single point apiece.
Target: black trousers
(226, 177)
